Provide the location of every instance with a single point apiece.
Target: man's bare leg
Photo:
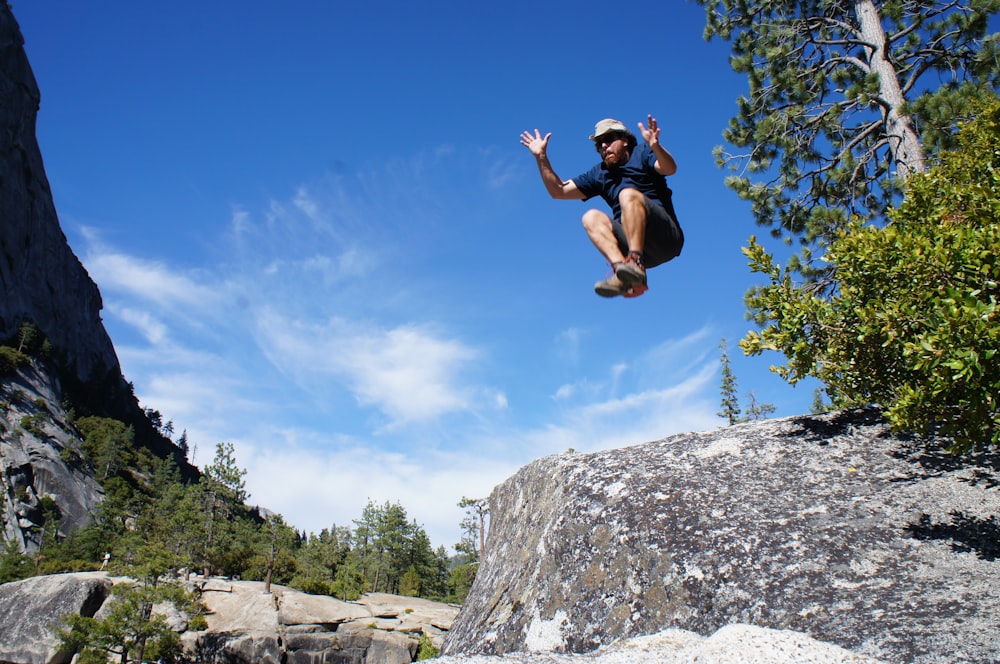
(599, 230)
(633, 205)
(598, 227)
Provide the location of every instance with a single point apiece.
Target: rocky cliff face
(37, 458)
(43, 282)
(40, 278)
(830, 526)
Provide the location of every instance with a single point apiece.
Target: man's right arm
(556, 186)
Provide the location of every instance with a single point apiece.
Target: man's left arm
(665, 164)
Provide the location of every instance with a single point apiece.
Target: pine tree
(409, 584)
(13, 564)
(730, 400)
(274, 546)
(129, 629)
(841, 92)
(223, 491)
(384, 537)
(473, 543)
(757, 410)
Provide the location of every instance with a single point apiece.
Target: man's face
(613, 149)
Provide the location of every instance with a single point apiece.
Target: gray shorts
(664, 237)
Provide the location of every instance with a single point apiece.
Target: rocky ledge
(245, 625)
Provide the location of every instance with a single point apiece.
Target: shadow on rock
(966, 534)
(820, 429)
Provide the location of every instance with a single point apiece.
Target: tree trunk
(482, 534)
(904, 142)
(270, 566)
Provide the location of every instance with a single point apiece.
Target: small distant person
(104, 563)
(642, 230)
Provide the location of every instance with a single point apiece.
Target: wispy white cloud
(410, 372)
(626, 416)
(151, 327)
(147, 280)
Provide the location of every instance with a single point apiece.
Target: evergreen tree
(436, 585)
(387, 545)
(840, 93)
(275, 550)
(409, 584)
(228, 534)
(14, 565)
(395, 538)
(819, 404)
(49, 529)
(460, 581)
(225, 477)
(349, 581)
(757, 410)
(422, 560)
(473, 543)
(730, 401)
(29, 339)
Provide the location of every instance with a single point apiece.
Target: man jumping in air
(631, 178)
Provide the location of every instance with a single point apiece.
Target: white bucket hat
(606, 126)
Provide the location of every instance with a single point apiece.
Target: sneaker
(612, 287)
(636, 290)
(632, 271)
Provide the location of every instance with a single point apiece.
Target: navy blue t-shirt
(637, 173)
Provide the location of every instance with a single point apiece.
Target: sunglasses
(607, 139)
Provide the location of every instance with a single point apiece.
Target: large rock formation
(43, 282)
(30, 608)
(245, 625)
(825, 525)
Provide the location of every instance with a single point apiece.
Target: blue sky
(318, 237)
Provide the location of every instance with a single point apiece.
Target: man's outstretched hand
(535, 142)
(652, 134)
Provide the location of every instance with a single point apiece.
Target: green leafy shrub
(910, 321)
(426, 648)
(33, 424)
(10, 360)
(310, 585)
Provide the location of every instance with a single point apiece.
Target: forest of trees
(207, 527)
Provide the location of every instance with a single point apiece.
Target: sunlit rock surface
(825, 525)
